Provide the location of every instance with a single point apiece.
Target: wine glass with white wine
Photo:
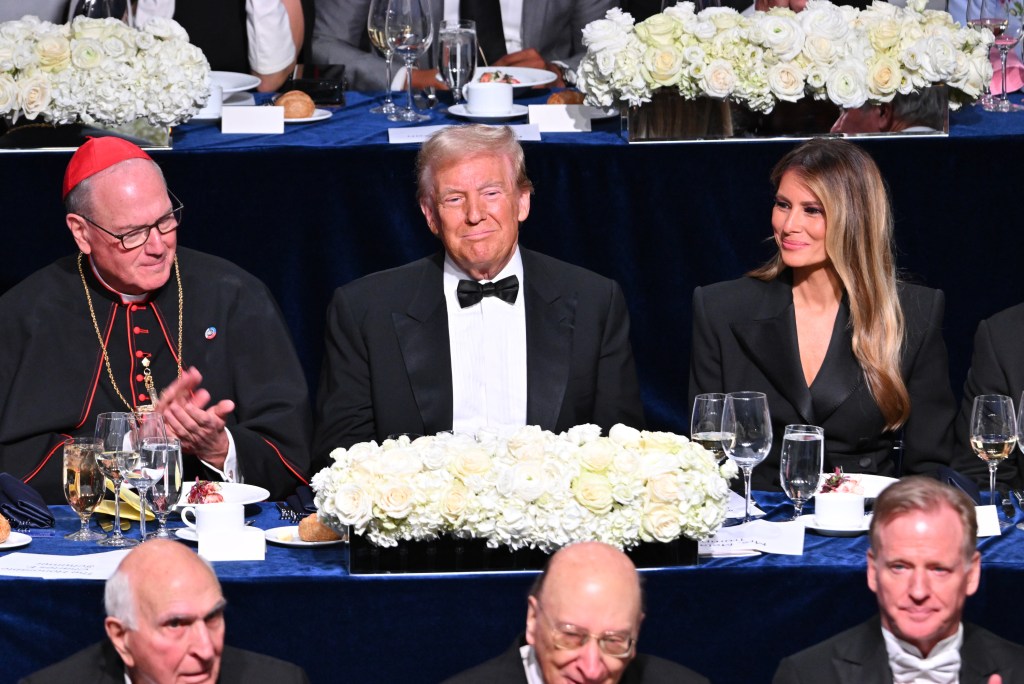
(84, 484)
(375, 24)
(993, 436)
(706, 424)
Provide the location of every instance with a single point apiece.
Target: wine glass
(803, 456)
(167, 482)
(101, 9)
(115, 432)
(998, 17)
(706, 424)
(83, 483)
(993, 436)
(458, 54)
(746, 417)
(140, 468)
(409, 30)
(375, 24)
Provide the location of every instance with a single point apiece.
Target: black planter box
(472, 555)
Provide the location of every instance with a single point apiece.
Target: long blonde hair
(858, 241)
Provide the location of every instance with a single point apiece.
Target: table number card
(252, 120)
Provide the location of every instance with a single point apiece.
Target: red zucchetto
(98, 154)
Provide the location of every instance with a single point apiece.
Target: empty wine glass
(706, 424)
(993, 436)
(167, 482)
(375, 24)
(458, 54)
(115, 432)
(101, 9)
(801, 461)
(746, 417)
(409, 29)
(83, 483)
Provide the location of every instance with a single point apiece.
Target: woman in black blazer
(826, 331)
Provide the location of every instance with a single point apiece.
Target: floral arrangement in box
(530, 489)
(849, 56)
(100, 71)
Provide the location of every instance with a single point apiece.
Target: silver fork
(287, 513)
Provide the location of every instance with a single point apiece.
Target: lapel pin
(211, 332)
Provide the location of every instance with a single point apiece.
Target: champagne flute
(803, 456)
(167, 482)
(993, 436)
(458, 54)
(409, 30)
(706, 424)
(115, 431)
(746, 416)
(375, 24)
(83, 483)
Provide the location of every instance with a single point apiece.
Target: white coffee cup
(839, 511)
(216, 517)
(212, 110)
(488, 98)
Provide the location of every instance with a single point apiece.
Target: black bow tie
(471, 292)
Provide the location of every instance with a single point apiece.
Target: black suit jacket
(858, 656)
(997, 367)
(100, 664)
(744, 338)
(387, 362)
(508, 669)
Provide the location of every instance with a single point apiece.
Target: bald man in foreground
(165, 623)
(582, 625)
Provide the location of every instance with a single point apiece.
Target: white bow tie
(939, 668)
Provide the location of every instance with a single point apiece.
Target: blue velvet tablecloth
(732, 619)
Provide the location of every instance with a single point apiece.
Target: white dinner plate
(16, 541)
(318, 115)
(526, 76)
(289, 536)
(233, 82)
(187, 534)
(809, 523)
(463, 113)
(232, 492)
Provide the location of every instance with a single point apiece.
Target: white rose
(581, 434)
(660, 30)
(786, 81)
(395, 500)
(593, 492)
(352, 505)
(846, 85)
(884, 77)
(8, 94)
(167, 29)
(87, 54)
(604, 35)
(719, 79)
(470, 461)
(54, 52)
(661, 523)
(528, 481)
(729, 469)
(783, 36)
(624, 435)
(454, 503)
(597, 456)
(664, 488)
(34, 95)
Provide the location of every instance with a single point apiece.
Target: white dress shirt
(534, 675)
(942, 666)
(488, 351)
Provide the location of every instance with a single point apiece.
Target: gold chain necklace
(150, 386)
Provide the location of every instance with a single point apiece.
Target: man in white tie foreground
(922, 565)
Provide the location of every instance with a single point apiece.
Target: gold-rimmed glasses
(569, 637)
(137, 237)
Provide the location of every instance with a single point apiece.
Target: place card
(559, 118)
(90, 566)
(736, 507)
(418, 134)
(756, 536)
(246, 544)
(988, 521)
(252, 120)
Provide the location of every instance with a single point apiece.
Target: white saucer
(463, 113)
(289, 536)
(187, 534)
(809, 523)
(16, 541)
(318, 115)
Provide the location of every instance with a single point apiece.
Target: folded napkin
(1014, 73)
(129, 505)
(21, 504)
(302, 501)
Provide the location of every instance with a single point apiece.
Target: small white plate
(809, 523)
(233, 82)
(461, 112)
(241, 99)
(187, 534)
(318, 115)
(289, 536)
(16, 541)
(526, 76)
(233, 492)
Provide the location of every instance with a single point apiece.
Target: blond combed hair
(859, 244)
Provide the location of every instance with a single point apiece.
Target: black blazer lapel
(422, 331)
(862, 658)
(769, 340)
(840, 374)
(550, 323)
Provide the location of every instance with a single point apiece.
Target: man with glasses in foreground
(132, 322)
(582, 624)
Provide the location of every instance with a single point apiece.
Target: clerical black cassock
(54, 381)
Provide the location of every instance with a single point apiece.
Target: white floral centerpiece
(532, 489)
(849, 56)
(100, 71)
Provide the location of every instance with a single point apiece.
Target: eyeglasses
(567, 637)
(137, 237)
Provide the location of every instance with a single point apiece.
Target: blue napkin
(302, 501)
(21, 504)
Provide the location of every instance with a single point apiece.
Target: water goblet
(165, 471)
(140, 470)
(409, 30)
(458, 54)
(706, 424)
(746, 416)
(375, 24)
(801, 461)
(986, 14)
(83, 483)
(116, 434)
(993, 434)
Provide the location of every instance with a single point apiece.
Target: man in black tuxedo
(582, 623)
(484, 334)
(922, 565)
(165, 623)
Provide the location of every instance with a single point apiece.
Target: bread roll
(297, 104)
(312, 530)
(566, 97)
(5, 529)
